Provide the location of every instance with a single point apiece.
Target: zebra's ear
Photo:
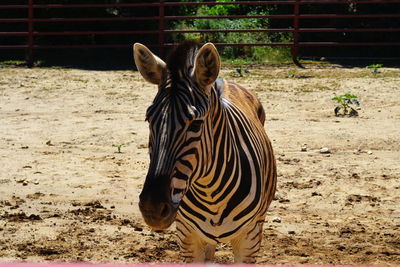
(152, 68)
(207, 65)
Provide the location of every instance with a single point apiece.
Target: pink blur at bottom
(55, 264)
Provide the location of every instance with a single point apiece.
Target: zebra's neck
(217, 141)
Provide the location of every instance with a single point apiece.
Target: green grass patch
(15, 63)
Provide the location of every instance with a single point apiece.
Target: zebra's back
(243, 98)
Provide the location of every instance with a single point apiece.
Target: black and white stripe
(213, 156)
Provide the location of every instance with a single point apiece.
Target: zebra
(212, 169)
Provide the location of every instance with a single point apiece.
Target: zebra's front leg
(194, 249)
(246, 246)
(198, 251)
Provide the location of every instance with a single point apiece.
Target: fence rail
(161, 31)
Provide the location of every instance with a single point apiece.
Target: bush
(254, 53)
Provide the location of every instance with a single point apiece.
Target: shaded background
(121, 57)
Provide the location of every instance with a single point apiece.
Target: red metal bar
(14, 33)
(254, 44)
(94, 33)
(228, 31)
(231, 17)
(349, 30)
(242, 44)
(296, 26)
(349, 44)
(13, 46)
(84, 46)
(13, 20)
(95, 19)
(30, 34)
(336, 2)
(201, 31)
(97, 5)
(304, 16)
(161, 28)
(335, 16)
(289, 2)
(128, 45)
(157, 18)
(13, 6)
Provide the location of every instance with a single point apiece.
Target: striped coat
(212, 168)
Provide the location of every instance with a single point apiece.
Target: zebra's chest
(214, 219)
(231, 196)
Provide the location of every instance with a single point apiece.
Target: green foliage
(345, 105)
(375, 68)
(12, 63)
(256, 53)
(118, 146)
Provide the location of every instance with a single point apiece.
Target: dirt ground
(66, 195)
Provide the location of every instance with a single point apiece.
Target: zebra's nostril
(165, 210)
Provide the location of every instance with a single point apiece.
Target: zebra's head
(179, 123)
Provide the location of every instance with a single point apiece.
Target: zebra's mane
(181, 59)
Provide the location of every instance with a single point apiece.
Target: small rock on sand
(277, 220)
(324, 150)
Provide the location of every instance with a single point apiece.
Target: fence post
(29, 56)
(161, 28)
(296, 26)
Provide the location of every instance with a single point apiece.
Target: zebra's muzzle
(158, 217)
(156, 205)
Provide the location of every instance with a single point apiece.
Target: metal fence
(159, 19)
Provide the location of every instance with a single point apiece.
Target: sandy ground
(66, 195)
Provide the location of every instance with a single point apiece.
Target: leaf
(337, 98)
(375, 66)
(118, 146)
(348, 95)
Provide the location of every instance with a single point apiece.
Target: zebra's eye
(195, 125)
